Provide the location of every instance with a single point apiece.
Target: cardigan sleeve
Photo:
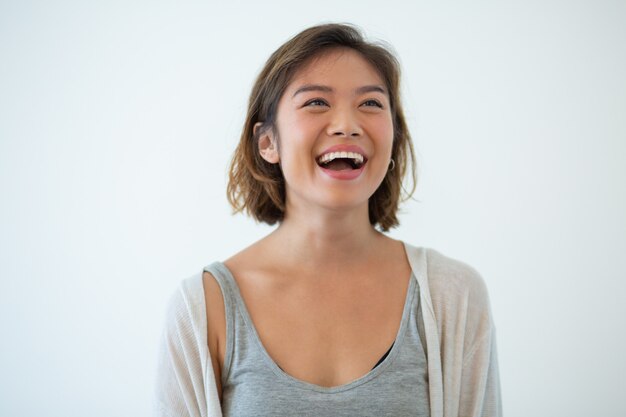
(480, 380)
(180, 385)
(471, 384)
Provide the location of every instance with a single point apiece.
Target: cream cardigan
(460, 343)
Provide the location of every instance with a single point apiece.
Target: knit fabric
(462, 364)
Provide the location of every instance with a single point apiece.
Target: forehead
(338, 67)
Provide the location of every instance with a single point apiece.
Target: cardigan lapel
(418, 262)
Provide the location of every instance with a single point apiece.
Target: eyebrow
(326, 89)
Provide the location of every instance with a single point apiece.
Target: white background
(117, 121)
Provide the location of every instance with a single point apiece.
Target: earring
(393, 164)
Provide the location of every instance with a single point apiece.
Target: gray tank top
(254, 385)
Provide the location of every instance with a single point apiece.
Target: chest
(326, 332)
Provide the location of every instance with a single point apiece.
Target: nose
(344, 123)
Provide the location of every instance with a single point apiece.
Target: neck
(327, 239)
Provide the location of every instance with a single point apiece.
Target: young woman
(327, 315)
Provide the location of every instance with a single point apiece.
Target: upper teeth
(334, 155)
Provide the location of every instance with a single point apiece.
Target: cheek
(297, 136)
(382, 131)
(300, 127)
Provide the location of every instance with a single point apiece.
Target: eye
(370, 103)
(316, 102)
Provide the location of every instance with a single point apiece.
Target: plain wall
(118, 119)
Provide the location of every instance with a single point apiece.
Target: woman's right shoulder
(195, 310)
(186, 301)
(183, 347)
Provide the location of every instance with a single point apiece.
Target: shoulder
(182, 364)
(459, 295)
(448, 276)
(185, 311)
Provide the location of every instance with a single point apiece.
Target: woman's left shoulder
(452, 272)
(458, 292)
(453, 283)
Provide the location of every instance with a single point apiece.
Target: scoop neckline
(291, 380)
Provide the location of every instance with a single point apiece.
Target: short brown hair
(257, 186)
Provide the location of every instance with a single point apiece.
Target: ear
(267, 144)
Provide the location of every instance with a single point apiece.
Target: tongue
(338, 165)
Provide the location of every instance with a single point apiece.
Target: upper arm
(480, 394)
(463, 312)
(216, 325)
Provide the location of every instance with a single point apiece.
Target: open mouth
(341, 161)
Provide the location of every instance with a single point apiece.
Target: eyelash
(376, 103)
(317, 100)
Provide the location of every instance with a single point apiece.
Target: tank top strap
(229, 293)
(224, 279)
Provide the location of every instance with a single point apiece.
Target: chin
(343, 200)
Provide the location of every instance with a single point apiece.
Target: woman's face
(335, 132)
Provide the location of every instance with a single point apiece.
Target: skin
(325, 290)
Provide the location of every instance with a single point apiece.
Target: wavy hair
(257, 186)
